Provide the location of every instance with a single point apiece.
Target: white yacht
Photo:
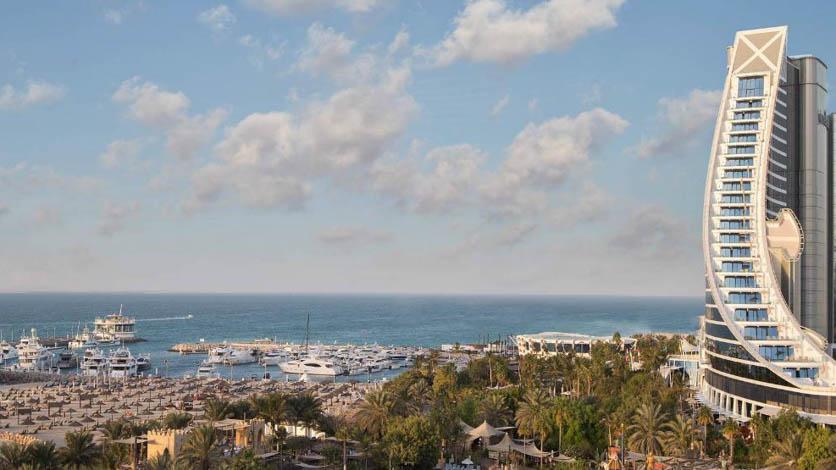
(115, 327)
(311, 366)
(66, 360)
(218, 355)
(240, 356)
(122, 363)
(8, 353)
(273, 357)
(94, 363)
(207, 369)
(31, 354)
(83, 340)
(143, 362)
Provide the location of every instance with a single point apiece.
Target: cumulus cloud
(292, 7)
(491, 31)
(120, 152)
(500, 105)
(114, 217)
(168, 112)
(652, 232)
(684, 119)
(218, 19)
(34, 93)
(544, 155)
(330, 53)
(25, 178)
(262, 50)
(344, 236)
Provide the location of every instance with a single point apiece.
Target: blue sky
(551, 147)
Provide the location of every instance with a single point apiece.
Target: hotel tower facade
(768, 227)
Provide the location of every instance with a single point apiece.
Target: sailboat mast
(307, 332)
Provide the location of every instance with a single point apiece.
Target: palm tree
(730, 431)
(495, 410)
(645, 434)
(160, 462)
(679, 435)
(176, 420)
(561, 416)
(200, 451)
(375, 411)
(305, 408)
(115, 429)
(787, 451)
(534, 416)
(12, 455)
(42, 455)
(79, 451)
(271, 407)
(217, 409)
(704, 417)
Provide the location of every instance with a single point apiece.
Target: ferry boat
(207, 369)
(311, 366)
(122, 363)
(31, 354)
(115, 327)
(94, 363)
(8, 353)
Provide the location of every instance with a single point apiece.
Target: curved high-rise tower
(767, 237)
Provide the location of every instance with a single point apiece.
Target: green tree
(200, 450)
(79, 450)
(678, 436)
(645, 434)
(787, 452)
(375, 411)
(176, 420)
(411, 442)
(12, 456)
(494, 409)
(42, 455)
(815, 448)
(534, 415)
(730, 432)
(705, 417)
(216, 409)
(160, 462)
(246, 460)
(305, 408)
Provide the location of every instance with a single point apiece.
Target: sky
(365, 146)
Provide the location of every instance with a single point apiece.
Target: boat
(94, 363)
(83, 340)
(66, 360)
(143, 362)
(31, 354)
(240, 356)
(273, 357)
(115, 327)
(8, 353)
(122, 363)
(207, 369)
(218, 355)
(311, 366)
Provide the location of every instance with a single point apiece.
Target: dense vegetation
(571, 405)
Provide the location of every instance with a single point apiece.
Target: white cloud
(115, 216)
(490, 31)
(168, 112)
(652, 232)
(533, 104)
(36, 92)
(218, 19)
(120, 152)
(353, 236)
(500, 105)
(292, 7)
(263, 51)
(684, 119)
(399, 43)
(25, 178)
(450, 182)
(114, 17)
(331, 53)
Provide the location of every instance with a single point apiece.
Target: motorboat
(218, 355)
(122, 363)
(273, 357)
(8, 353)
(31, 354)
(94, 363)
(83, 340)
(66, 360)
(240, 356)
(311, 366)
(143, 362)
(207, 369)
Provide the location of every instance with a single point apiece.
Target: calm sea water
(384, 319)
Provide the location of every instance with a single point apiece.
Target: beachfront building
(551, 343)
(768, 237)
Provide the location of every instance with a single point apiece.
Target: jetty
(202, 347)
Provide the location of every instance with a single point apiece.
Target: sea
(420, 320)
